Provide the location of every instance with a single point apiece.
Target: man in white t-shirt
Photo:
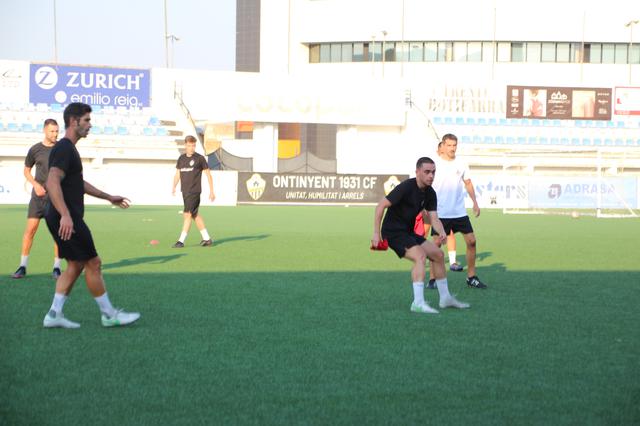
(452, 178)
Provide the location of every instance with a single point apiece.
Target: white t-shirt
(449, 186)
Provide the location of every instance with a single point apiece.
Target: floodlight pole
(166, 37)
(630, 25)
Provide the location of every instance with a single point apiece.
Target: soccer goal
(574, 183)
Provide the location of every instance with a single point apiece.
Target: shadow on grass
(220, 241)
(155, 260)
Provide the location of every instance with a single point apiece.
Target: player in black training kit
(403, 204)
(189, 170)
(38, 156)
(65, 220)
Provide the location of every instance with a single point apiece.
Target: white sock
(205, 234)
(58, 302)
(24, 260)
(418, 293)
(56, 262)
(443, 288)
(452, 257)
(183, 236)
(105, 305)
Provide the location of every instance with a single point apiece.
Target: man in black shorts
(38, 156)
(189, 170)
(453, 180)
(65, 213)
(403, 204)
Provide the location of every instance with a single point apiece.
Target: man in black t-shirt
(38, 156)
(403, 204)
(189, 168)
(65, 220)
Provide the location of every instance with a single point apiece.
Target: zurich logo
(46, 78)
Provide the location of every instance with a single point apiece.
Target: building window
(488, 53)
(402, 52)
(621, 54)
(608, 53)
(634, 54)
(460, 51)
(375, 51)
(416, 52)
(533, 52)
(445, 51)
(314, 53)
(358, 52)
(517, 52)
(325, 53)
(389, 51)
(474, 51)
(504, 52)
(347, 52)
(575, 54)
(562, 52)
(336, 54)
(548, 52)
(595, 53)
(431, 51)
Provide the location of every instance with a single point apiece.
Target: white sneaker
(452, 302)
(422, 308)
(53, 320)
(119, 319)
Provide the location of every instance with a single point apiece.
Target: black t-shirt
(407, 200)
(65, 156)
(38, 156)
(191, 172)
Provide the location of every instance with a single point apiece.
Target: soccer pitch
(290, 319)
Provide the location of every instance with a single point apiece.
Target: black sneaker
(431, 285)
(206, 243)
(178, 244)
(20, 272)
(56, 273)
(475, 282)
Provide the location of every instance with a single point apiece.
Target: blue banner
(63, 84)
(568, 192)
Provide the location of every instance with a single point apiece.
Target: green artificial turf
(290, 319)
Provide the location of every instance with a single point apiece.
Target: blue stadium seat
(27, 127)
(543, 140)
(630, 142)
(579, 123)
(161, 131)
(515, 122)
(109, 130)
(619, 142)
(123, 130)
(536, 122)
(608, 142)
(586, 142)
(482, 121)
(564, 141)
(459, 121)
(448, 120)
(436, 120)
(56, 108)
(471, 121)
(40, 127)
(610, 124)
(575, 141)
(492, 121)
(597, 142)
(148, 131)
(154, 121)
(96, 130)
(503, 122)
(532, 140)
(525, 122)
(620, 125)
(556, 123)
(465, 139)
(511, 140)
(1, 127)
(96, 109)
(13, 127)
(522, 140)
(555, 141)
(547, 123)
(499, 140)
(488, 139)
(600, 124)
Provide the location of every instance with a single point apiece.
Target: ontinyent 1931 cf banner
(301, 188)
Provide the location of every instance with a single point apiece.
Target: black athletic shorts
(458, 224)
(400, 242)
(191, 203)
(37, 207)
(80, 247)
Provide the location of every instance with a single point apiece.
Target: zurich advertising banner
(568, 192)
(63, 84)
